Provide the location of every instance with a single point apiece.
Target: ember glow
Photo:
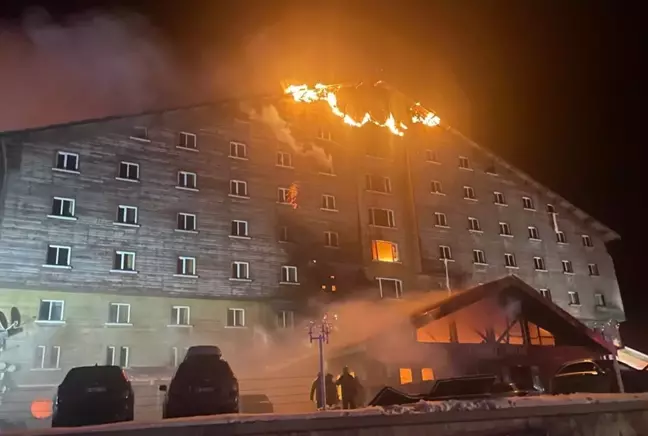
(328, 94)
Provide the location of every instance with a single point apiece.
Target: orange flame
(327, 93)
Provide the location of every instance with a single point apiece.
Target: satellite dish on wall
(3, 321)
(15, 316)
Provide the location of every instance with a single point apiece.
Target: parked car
(91, 395)
(597, 376)
(204, 384)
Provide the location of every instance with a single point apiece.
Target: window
(119, 313)
(187, 140)
(284, 159)
(174, 359)
(331, 239)
(128, 171)
(327, 168)
(238, 150)
(427, 374)
(382, 217)
(440, 219)
(479, 257)
(124, 261)
(435, 187)
(533, 233)
(527, 203)
(180, 315)
(66, 161)
(469, 193)
(378, 184)
(127, 214)
(431, 156)
(551, 208)
(235, 318)
(560, 237)
(574, 299)
(285, 319)
(505, 229)
(473, 224)
(384, 251)
(539, 264)
(390, 288)
(405, 375)
(240, 270)
(111, 357)
(283, 234)
(445, 252)
(58, 255)
(509, 260)
(587, 241)
(140, 133)
(328, 202)
(186, 222)
(63, 207)
(599, 300)
(187, 180)
(464, 163)
(499, 198)
(47, 357)
(323, 133)
(289, 274)
(567, 267)
(239, 229)
(283, 195)
(593, 269)
(186, 266)
(238, 188)
(491, 169)
(51, 310)
(545, 293)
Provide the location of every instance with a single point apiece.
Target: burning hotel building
(126, 240)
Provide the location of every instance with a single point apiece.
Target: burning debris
(328, 94)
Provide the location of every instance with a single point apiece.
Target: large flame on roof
(328, 94)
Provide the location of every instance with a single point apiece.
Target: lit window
(405, 375)
(473, 224)
(240, 270)
(509, 260)
(51, 310)
(499, 199)
(66, 161)
(289, 274)
(574, 299)
(187, 140)
(186, 266)
(238, 150)
(378, 184)
(187, 180)
(445, 252)
(390, 288)
(384, 251)
(119, 313)
(479, 257)
(505, 229)
(427, 374)
(62, 207)
(180, 315)
(239, 229)
(593, 269)
(127, 215)
(527, 203)
(140, 133)
(435, 187)
(381, 217)
(464, 163)
(124, 261)
(600, 300)
(47, 357)
(440, 219)
(186, 222)
(560, 237)
(533, 233)
(431, 156)
(328, 202)
(539, 264)
(128, 171)
(567, 267)
(469, 193)
(58, 256)
(235, 318)
(285, 319)
(331, 239)
(587, 241)
(545, 293)
(284, 159)
(238, 188)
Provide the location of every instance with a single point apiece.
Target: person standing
(349, 386)
(332, 398)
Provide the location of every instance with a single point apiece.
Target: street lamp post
(320, 332)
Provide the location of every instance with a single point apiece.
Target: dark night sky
(553, 87)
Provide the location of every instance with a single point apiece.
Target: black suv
(91, 395)
(204, 384)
